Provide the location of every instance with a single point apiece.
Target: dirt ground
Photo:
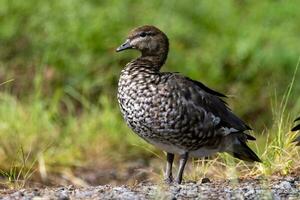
(275, 188)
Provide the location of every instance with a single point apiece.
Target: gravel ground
(284, 188)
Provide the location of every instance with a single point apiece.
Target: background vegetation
(59, 73)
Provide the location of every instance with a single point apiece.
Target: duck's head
(149, 40)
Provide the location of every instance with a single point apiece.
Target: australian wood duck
(173, 112)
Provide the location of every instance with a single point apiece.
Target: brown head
(150, 41)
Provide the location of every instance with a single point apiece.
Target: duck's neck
(155, 60)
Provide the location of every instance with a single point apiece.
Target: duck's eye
(143, 34)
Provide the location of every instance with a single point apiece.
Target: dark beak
(124, 46)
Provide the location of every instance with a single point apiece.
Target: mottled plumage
(297, 128)
(175, 113)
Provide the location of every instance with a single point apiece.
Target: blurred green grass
(61, 56)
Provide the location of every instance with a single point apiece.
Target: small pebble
(63, 197)
(285, 185)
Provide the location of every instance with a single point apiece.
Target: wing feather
(199, 96)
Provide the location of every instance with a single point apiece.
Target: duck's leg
(168, 173)
(183, 159)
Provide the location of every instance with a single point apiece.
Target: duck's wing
(198, 96)
(216, 121)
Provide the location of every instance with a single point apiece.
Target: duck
(297, 128)
(175, 113)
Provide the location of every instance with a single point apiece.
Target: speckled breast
(137, 102)
(155, 112)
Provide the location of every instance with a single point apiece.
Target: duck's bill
(124, 46)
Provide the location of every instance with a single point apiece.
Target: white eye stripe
(135, 40)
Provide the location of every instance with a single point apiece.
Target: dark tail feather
(243, 152)
(296, 128)
(250, 137)
(297, 140)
